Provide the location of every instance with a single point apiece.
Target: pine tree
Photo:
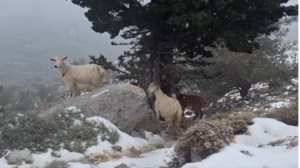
(163, 31)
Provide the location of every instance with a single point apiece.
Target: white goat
(90, 74)
(166, 107)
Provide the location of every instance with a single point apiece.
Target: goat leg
(201, 115)
(196, 114)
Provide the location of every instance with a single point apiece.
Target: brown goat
(196, 102)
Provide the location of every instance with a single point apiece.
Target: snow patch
(294, 81)
(69, 156)
(79, 165)
(100, 148)
(279, 104)
(72, 109)
(98, 94)
(153, 138)
(126, 141)
(41, 160)
(155, 158)
(3, 163)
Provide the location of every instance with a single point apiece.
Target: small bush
(239, 121)
(98, 158)
(203, 139)
(66, 129)
(287, 115)
(57, 164)
(174, 163)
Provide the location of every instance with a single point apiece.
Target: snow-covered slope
(269, 144)
(255, 150)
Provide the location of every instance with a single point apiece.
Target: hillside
(98, 135)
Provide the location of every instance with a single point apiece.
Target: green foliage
(67, 129)
(231, 70)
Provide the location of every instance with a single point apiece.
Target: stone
(138, 134)
(246, 152)
(116, 148)
(122, 166)
(18, 156)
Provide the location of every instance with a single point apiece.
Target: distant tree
(81, 61)
(163, 31)
(238, 71)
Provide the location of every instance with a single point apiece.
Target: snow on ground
(248, 151)
(260, 86)
(98, 94)
(126, 142)
(79, 165)
(263, 131)
(280, 104)
(3, 163)
(153, 159)
(294, 81)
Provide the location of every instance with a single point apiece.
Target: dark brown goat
(196, 102)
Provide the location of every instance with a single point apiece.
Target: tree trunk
(166, 77)
(244, 88)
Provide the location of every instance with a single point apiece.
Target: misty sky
(73, 15)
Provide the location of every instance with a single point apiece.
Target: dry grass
(159, 145)
(239, 121)
(287, 115)
(107, 156)
(98, 158)
(134, 153)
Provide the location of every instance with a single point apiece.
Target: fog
(33, 31)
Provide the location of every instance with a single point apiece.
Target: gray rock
(17, 156)
(246, 152)
(117, 148)
(122, 166)
(124, 105)
(138, 134)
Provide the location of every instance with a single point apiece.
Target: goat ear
(52, 59)
(64, 58)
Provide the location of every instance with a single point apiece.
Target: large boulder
(18, 156)
(124, 105)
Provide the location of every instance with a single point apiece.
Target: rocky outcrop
(124, 105)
